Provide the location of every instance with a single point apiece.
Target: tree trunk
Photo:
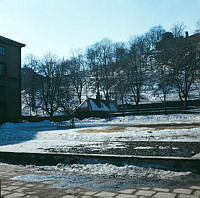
(164, 104)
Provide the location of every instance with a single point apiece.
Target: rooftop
(11, 42)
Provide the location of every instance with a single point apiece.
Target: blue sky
(61, 26)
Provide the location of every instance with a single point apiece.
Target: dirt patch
(159, 127)
(137, 148)
(104, 129)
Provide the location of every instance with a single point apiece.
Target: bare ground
(156, 127)
(140, 148)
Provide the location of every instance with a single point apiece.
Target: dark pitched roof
(195, 37)
(11, 42)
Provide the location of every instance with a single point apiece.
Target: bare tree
(66, 93)
(77, 72)
(185, 68)
(120, 88)
(180, 55)
(106, 66)
(31, 83)
(92, 62)
(178, 30)
(198, 27)
(51, 70)
(100, 58)
(136, 70)
(163, 80)
(154, 35)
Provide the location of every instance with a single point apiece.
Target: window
(2, 93)
(2, 69)
(2, 51)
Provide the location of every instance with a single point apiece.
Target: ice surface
(106, 176)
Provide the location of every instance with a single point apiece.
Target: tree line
(159, 61)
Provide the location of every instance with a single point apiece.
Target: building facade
(10, 79)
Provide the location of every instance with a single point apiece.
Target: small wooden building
(95, 108)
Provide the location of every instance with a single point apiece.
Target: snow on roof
(94, 105)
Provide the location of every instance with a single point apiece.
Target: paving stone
(14, 195)
(127, 191)
(30, 185)
(4, 173)
(187, 196)
(21, 189)
(17, 183)
(142, 197)
(49, 182)
(195, 187)
(10, 188)
(88, 193)
(164, 195)
(145, 193)
(161, 189)
(183, 191)
(106, 194)
(31, 193)
(16, 189)
(69, 196)
(41, 186)
(145, 188)
(8, 174)
(197, 193)
(71, 192)
(126, 196)
(4, 192)
(76, 190)
(5, 182)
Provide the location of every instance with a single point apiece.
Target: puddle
(34, 178)
(74, 180)
(67, 180)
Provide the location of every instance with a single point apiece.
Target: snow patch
(37, 137)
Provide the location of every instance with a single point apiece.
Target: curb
(52, 159)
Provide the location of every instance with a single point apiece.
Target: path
(14, 189)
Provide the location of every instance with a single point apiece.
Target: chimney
(98, 98)
(186, 34)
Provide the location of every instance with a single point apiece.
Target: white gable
(96, 108)
(90, 105)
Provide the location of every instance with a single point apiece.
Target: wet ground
(143, 177)
(27, 182)
(139, 148)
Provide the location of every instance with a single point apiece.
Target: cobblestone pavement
(14, 189)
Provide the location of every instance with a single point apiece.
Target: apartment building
(10, 79)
